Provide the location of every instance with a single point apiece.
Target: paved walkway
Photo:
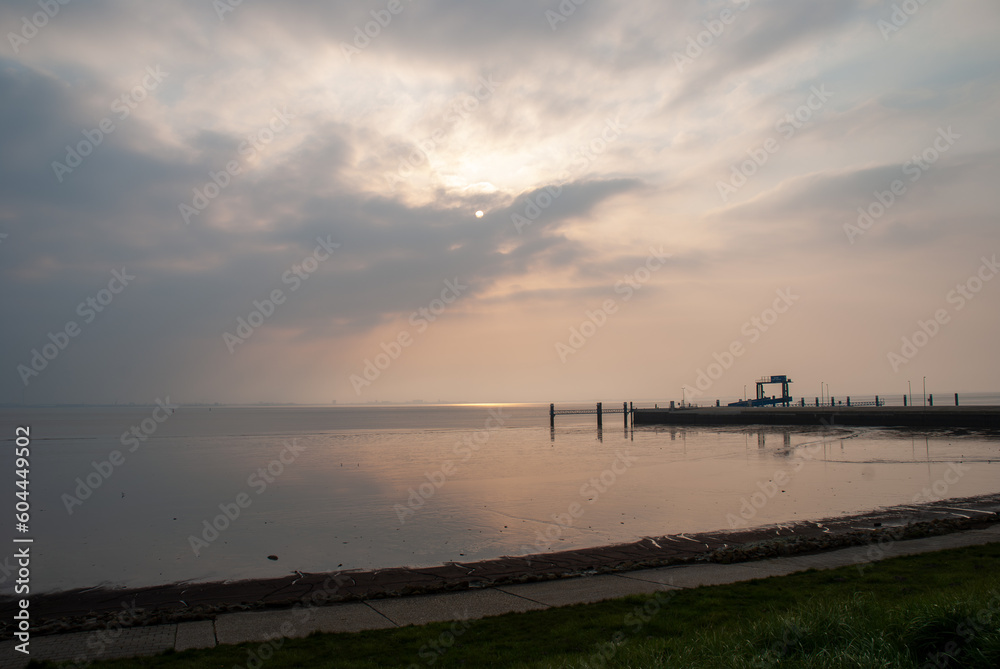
(234, 628)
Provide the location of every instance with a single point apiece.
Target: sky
(472, 201)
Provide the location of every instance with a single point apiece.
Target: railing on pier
(599, 411)
(834, 402)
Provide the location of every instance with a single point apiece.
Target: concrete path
(234, 628)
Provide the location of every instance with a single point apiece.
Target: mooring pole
(625, 411)
(600, 420)
(552, 415)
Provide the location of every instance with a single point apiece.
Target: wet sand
(95, 608)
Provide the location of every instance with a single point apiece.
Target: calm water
(323, 488)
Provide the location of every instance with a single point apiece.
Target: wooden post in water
(956, 399)
(625, 411)
(600, 418)
(552, 415)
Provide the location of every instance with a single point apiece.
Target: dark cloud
(119, 211)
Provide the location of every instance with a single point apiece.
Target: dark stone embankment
(971, 417)
(101, 608)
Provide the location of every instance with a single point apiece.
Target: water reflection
(473, 493)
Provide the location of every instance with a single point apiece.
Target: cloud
(758, 34)
(586, 146)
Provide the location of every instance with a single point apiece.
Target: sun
(479, 214)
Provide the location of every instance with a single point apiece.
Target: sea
(129, 496)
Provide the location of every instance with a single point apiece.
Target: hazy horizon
(893, 399)
(520, 202)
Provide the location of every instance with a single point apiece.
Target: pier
(785, 410)
(971, 417)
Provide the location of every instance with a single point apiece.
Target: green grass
(934, 610)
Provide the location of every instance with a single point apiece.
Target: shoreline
(96, 608)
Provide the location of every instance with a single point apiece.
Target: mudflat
(93, 608)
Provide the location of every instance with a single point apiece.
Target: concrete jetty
(974, 417)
